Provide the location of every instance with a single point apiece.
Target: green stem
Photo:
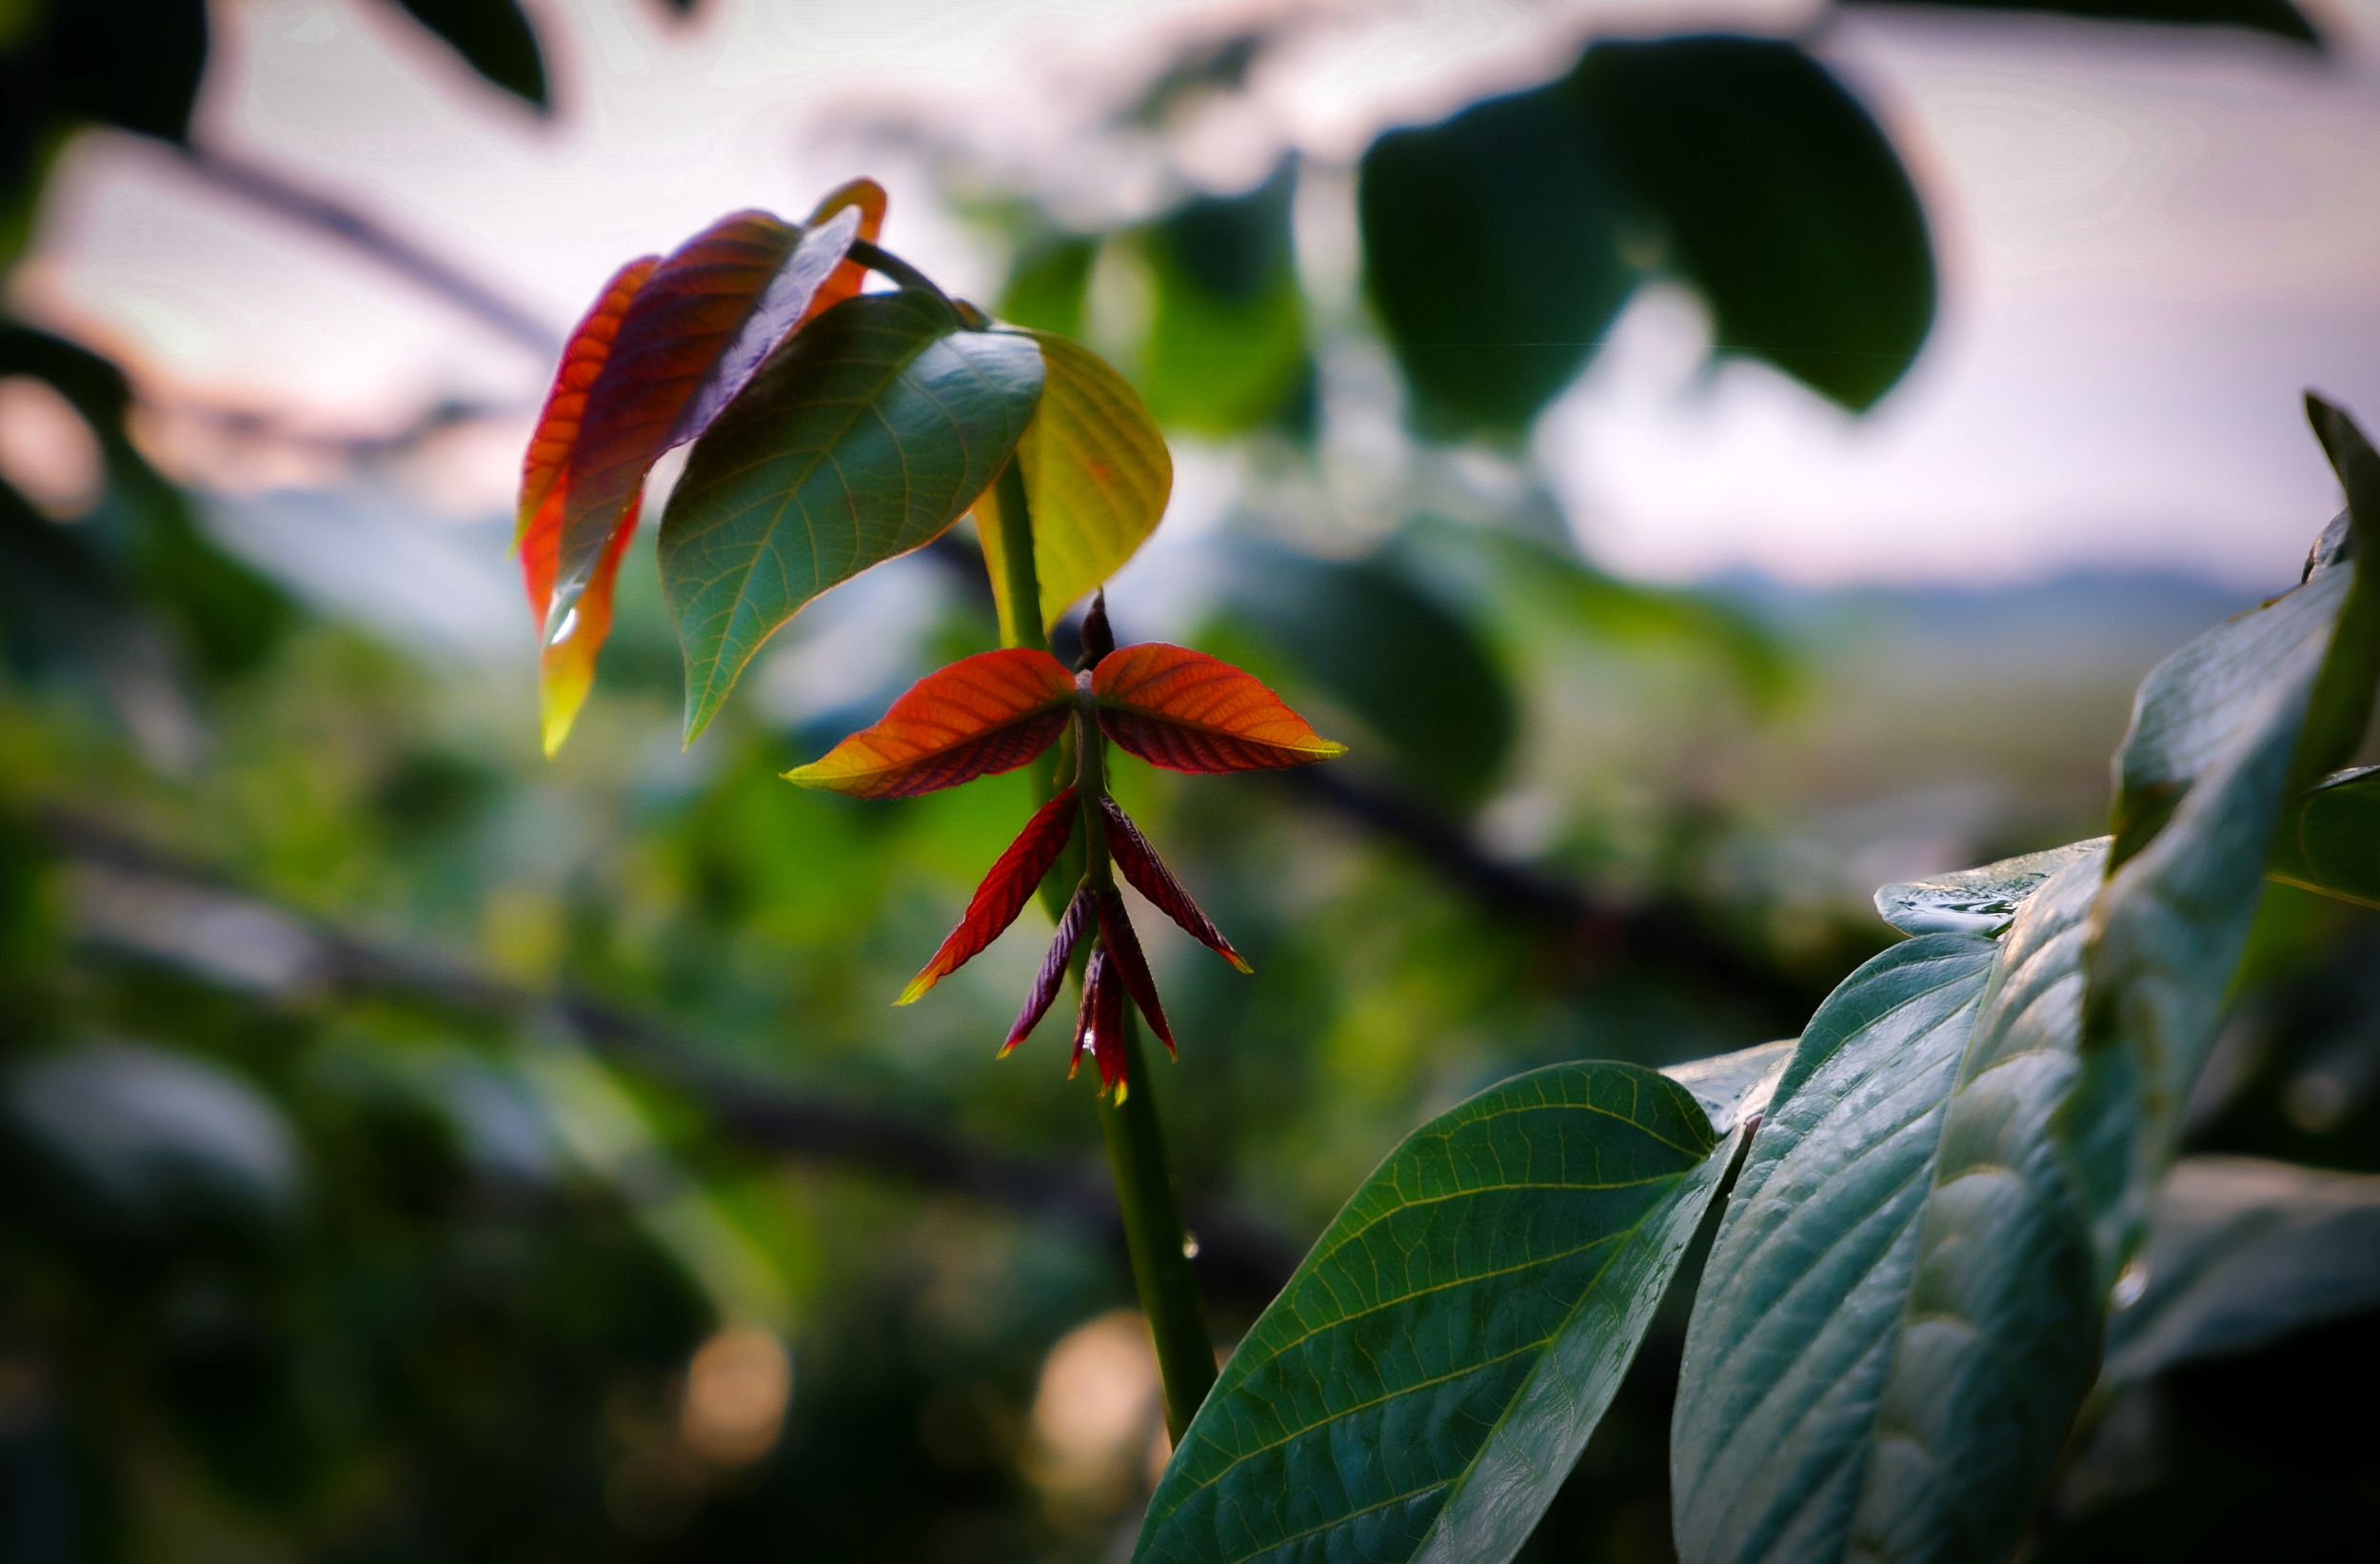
(1136, 1141)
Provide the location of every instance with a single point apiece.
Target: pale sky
(2150, 242)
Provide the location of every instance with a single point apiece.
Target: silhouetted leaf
(1424, 1384)
(2273, 16)
(1492, 252)
(1896, 1321)
(2242, 1252)
(1780, 199)
(1226, 348)
(866, 436)
(1097, 477)
(2330, 839)
(494, 39)
(1412, 670)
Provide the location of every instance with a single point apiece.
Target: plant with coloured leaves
(833, 429)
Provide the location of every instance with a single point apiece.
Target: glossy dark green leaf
(494, 39)
(2273, 16)
(2227, 732)
(1424, 1384)
(1492, 253)
(2330, 839)
(864, 436)
(1226, 349)
(2244, 1252)
(1782, 201)
(1409, 669)
(1896, 1322)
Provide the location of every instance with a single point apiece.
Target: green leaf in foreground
(1097, 477)
(1424, 1383)
(2330, 839)
(864, 436)
(1895, 1324)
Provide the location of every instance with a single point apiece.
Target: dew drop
(563, 633)
(2132, 1283)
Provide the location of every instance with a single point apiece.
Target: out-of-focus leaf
(494, 39)
(2330, 839)
(866, 437)
(1097, 477)
(2242, 1252)
(1424, 1383)
(132, 64)
(981, 716)
(867, 198)
(1148, 875)
(1226, 348)
(2273, 16)
(692, 337)
(1014, 876)
(2226, 733)
(1186, 711)
(1897, 1320)
(566, 659)
(1486, 561)
(1780, 199)
(1492, 252)
(146, 1140)
(1047, 283)
(1412, 670)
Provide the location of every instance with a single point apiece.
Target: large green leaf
(1492, 252)
(1425, 1381)
(1841, 1361)
(1409, 669)
(864, 436)
(2227, 732)
(2243, 1253)
(2273, 16)
(1097, 477)
(1226, 348)
(1782, 201)
(2330, 839)
(493, 38)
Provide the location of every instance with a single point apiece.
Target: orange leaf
(868, 197)
(1187, 711)
(1002, 894)
(687, 342)
(565, 664)
(1123, 948)
(1037, 1003)
(1149, 876)
(982, 715)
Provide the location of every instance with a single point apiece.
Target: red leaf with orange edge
(566, 667)
(1149, 876)
(1003, 893)
(1098, 1028)
(1187, 711)
(1123, 948)
(867, 198)
(982, 715)
(1046, 982)
(688, 341)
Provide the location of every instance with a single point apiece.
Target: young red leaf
(867, 197)
(1187, 711)
(1149, 876)
(1053, 973)
(689, 339)
(982, 715)
(1098, 1028)
(565, 666)
(1123, 950)
(1002, 894)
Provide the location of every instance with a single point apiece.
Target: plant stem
(1136, 1141)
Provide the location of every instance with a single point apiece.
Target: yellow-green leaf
(1097, 476)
